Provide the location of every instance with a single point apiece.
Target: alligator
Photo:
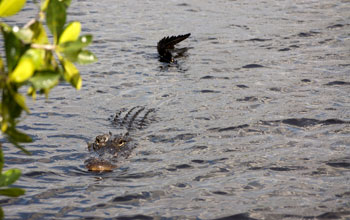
(166, 45)
(109, 150)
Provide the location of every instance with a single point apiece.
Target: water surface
(253, 123)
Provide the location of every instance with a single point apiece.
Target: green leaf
(23, 71)
(76, 81)
(71, 74)
(19, 146)
(44, 5)
(24, 34)
(44, 80)
(56, 18)
(31, 92)
(80, 43)
(66, 2)
(13, 48)
(31, 60)
(70, 70)
(21, 101)
(40, 35)
(4, 125)
(10, 110)
(2, 160)
(12, 192)
(9, 177)
(2, 68)
(37, 56)
(50, 63)
(85, 39)
(72, 56)
(86, 57)
(2, 216)
(15, 137)
(11, 7)
(71, 33)
(71, 50)
(18, 136)
(4, 111)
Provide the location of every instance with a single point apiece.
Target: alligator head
(108, 149)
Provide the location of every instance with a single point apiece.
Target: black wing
(169, 42)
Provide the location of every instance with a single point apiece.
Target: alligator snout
(99, 165)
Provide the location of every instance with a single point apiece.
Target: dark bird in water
(166, 45)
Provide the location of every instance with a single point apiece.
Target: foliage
(32, 61)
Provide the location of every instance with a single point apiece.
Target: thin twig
(43, 46)
(32, 21)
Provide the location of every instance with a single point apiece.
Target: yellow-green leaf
(86, 57)
(31, 91)
(66, 2)
(4, 126)
(76, 81)
(16, 137)
(40, 35)
(44, 80)
(70, 70)
(9, 177)
(71, 33)
(76, 45)
(1, 66)
(71, 74)
(2, 160)
(23, 71)
(21, 101)
(56, 18)
(11, 7)
(13, 192)
(25, 34)
(2, 216)
(13, 47)
(44, 5)
(37, 56)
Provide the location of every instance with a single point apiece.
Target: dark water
(253, 123)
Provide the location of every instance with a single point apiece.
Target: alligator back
(135, 118)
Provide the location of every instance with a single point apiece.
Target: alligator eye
(121, 143)
(101, 139)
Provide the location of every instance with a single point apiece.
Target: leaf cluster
(31, 60)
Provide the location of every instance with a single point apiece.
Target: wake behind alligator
(108, 150)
